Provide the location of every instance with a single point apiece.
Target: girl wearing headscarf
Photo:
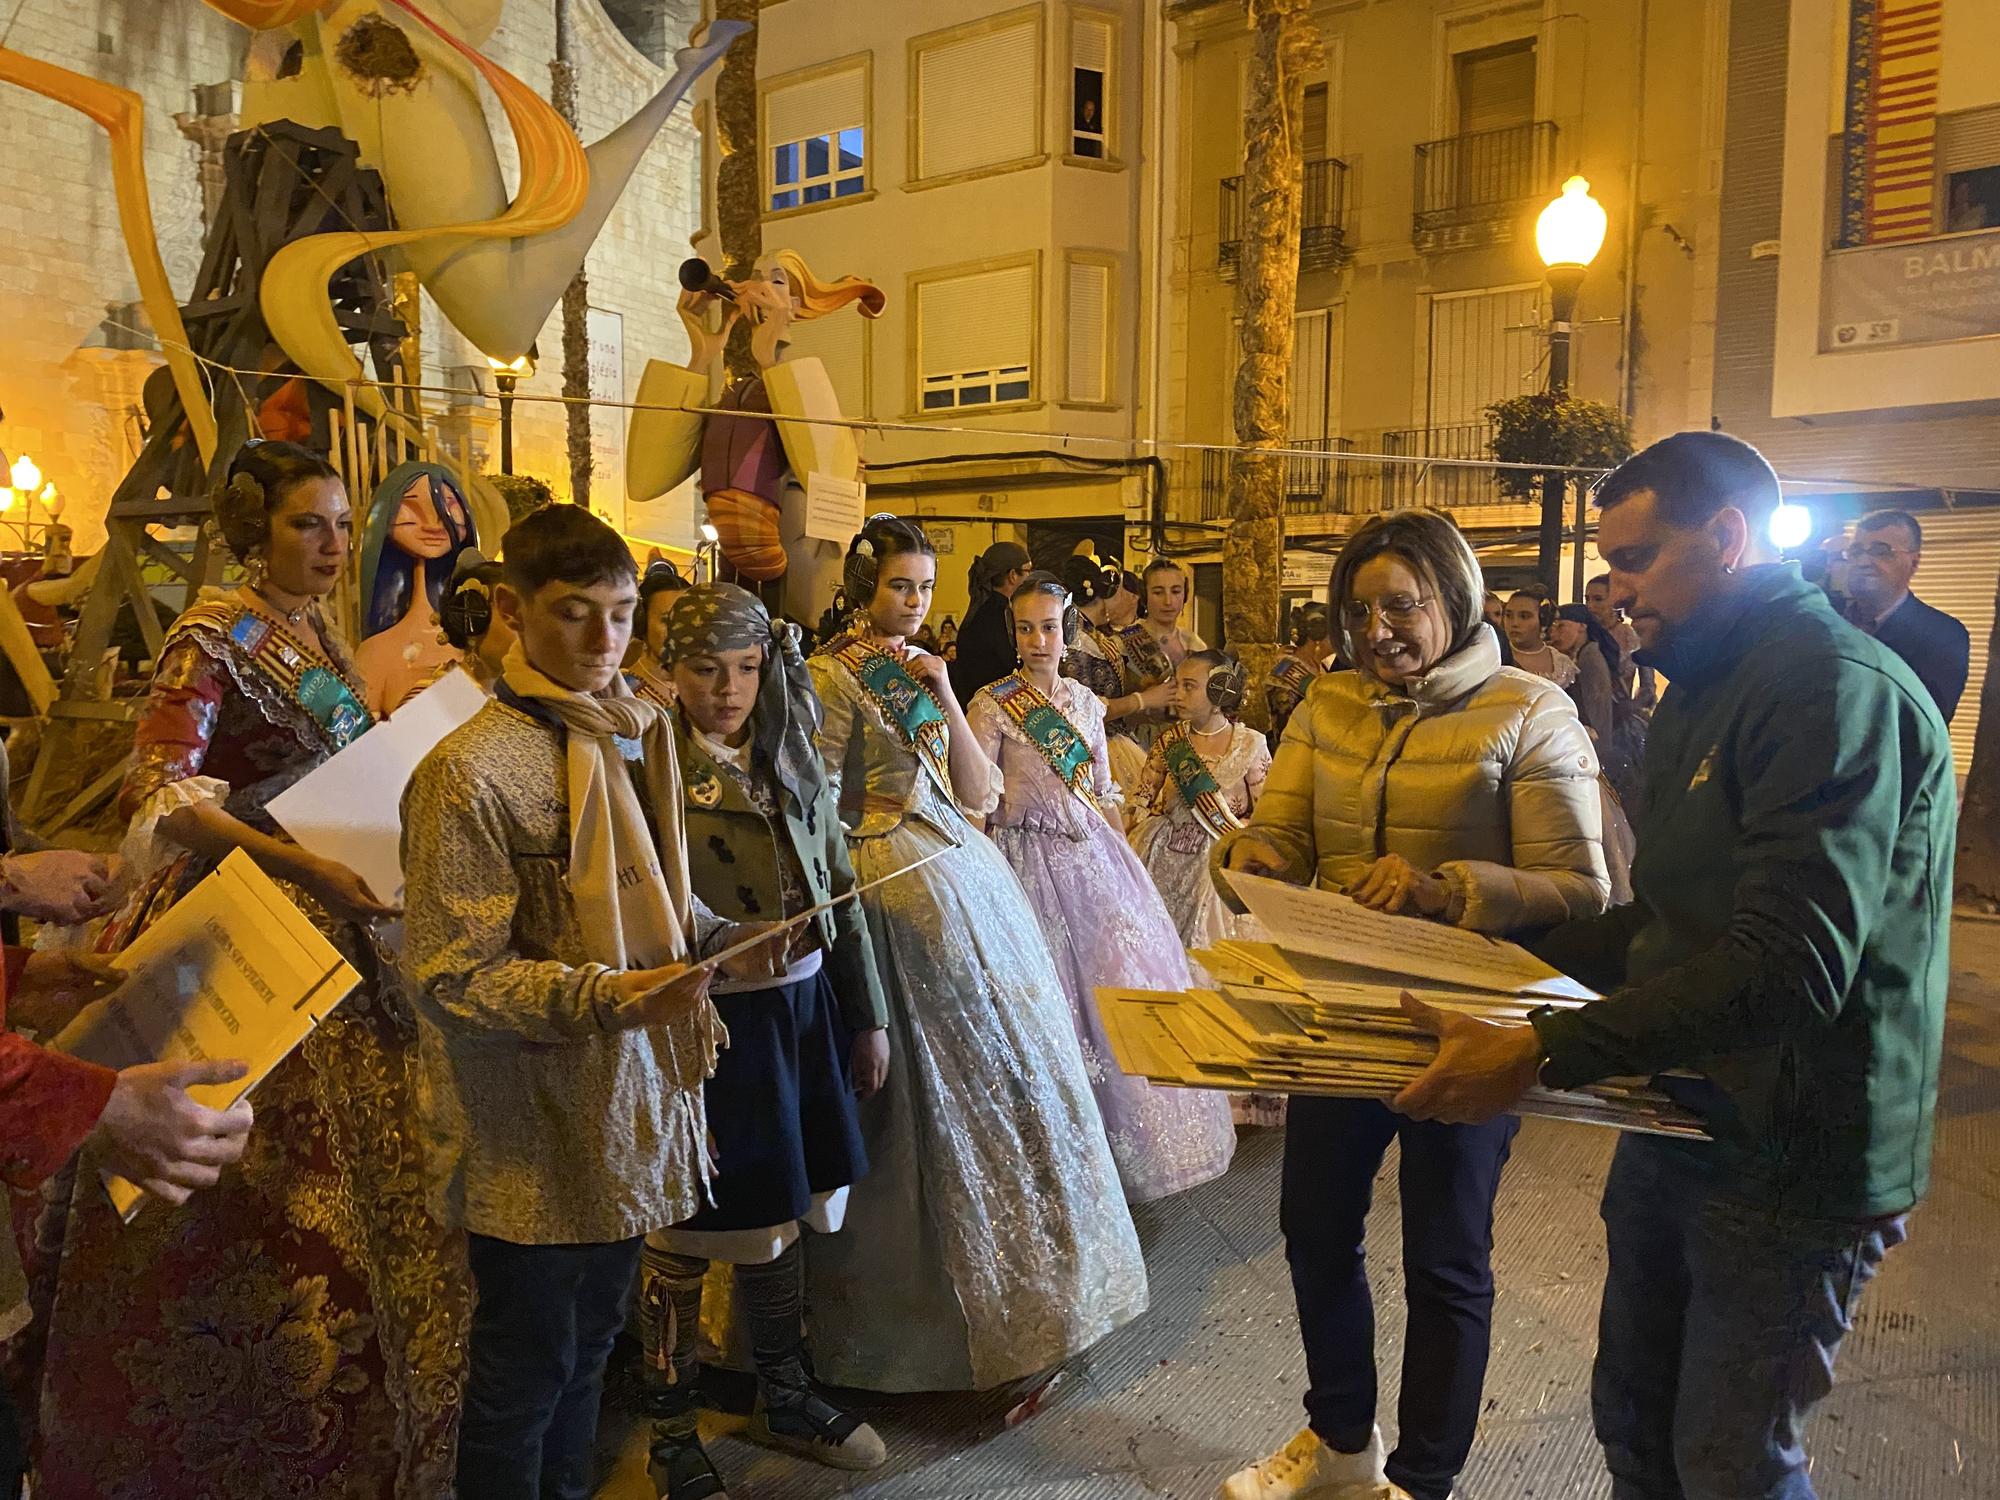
(992, 1239)
(765, 831)
(1058, 824)
(985, 649)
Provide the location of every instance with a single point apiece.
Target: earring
(257, 570)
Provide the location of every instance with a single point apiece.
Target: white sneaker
(1306, 1469)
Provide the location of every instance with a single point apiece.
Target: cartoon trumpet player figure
(754, 470)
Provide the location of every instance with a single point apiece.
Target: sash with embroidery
(907, 703)
(1055, 738)
(1289, 678)
(1148, 657)
(317, 687)
(1194, 781)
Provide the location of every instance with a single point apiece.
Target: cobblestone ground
(1212, 1374)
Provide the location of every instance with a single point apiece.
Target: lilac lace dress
(1106, 926)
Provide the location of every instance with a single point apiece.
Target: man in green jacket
(1787, 943)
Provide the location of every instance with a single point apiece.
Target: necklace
(1208, 734)
(293, 616)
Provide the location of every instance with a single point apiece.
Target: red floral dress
(297, 1330)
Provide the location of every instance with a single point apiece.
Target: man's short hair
(1695, 476)
(564, 544)
(1875, 520)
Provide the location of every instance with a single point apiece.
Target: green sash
(1195, 782)
(906, 703)
(316, 686)
(1055, 738)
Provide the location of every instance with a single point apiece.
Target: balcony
(1474, 189)
(1322, 234)
(1322, 483)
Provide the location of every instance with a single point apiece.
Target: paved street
(1212, 1374)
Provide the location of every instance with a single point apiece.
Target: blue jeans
(542, 1331)
(1718, 1331)
(1446, 1179)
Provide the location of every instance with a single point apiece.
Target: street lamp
(508, 373)
(1568, 235)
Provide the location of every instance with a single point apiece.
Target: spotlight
(1791, 526)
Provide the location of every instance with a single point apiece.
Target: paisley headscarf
(715, 617)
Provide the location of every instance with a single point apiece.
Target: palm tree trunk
(1287, 47)
(739, 208)
(576, 296)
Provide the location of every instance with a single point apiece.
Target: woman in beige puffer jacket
(1431, 781)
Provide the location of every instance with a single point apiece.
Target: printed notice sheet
(1327, 925)
(350, 810)
(232, 970)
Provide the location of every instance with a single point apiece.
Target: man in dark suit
(1881, 561)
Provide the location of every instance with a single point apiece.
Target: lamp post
(1568, 235)
(507, 374)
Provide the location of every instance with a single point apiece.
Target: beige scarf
(630, 885)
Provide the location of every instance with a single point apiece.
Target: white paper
(1328, 925)
(833, 507)
(351, 809)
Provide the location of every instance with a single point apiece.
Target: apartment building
(986, 166)
(1434, 134)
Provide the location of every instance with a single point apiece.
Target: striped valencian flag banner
(1905, 52)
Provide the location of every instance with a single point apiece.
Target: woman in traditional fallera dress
(1202, 778)
(296, 1330)
(1155, 646)
(1098, 659)
(1057, 824)
(990, 1239)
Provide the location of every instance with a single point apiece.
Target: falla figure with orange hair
(753, 469)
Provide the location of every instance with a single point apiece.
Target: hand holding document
(1322, 1009)
(350, 809)
(232, 971)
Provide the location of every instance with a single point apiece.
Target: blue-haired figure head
(418, 523)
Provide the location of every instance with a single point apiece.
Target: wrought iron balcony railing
(1323, 481)
(1322, 227)
(1478, 182)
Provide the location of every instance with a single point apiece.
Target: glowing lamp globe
(1571, 229)
(6, 500)
(1790, 526)
(26, 475)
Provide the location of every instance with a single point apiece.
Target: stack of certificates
(1319, 1011)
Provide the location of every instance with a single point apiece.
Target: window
(1087, 319)
(815, 132)
(1972, 200)
(1313, 136)
(1484, 347)
(976, 337)
(1496, 86)
(978, 96)
(1090, 45)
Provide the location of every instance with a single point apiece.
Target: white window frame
(835, 175)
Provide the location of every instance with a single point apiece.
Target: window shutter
(979, 322)
(838, 341)
(1089, 374)
(818, 106)
(1310, 366)
(1313, 136)
(1090, 46)
(977, 100)
(1484, 348)
(1496, 87)
(1969, 139)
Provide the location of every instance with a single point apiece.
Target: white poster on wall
(607, 423)
(834, 509)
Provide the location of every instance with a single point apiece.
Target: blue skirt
(781, 1107)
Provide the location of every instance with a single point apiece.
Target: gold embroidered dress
(294, 1333)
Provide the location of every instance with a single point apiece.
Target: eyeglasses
(1880, 551)
(1395, 613)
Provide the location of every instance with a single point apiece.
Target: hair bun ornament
(863, 547)
(244, 488)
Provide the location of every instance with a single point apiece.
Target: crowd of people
(736, 985)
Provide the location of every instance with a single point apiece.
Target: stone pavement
(1212, 1375)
